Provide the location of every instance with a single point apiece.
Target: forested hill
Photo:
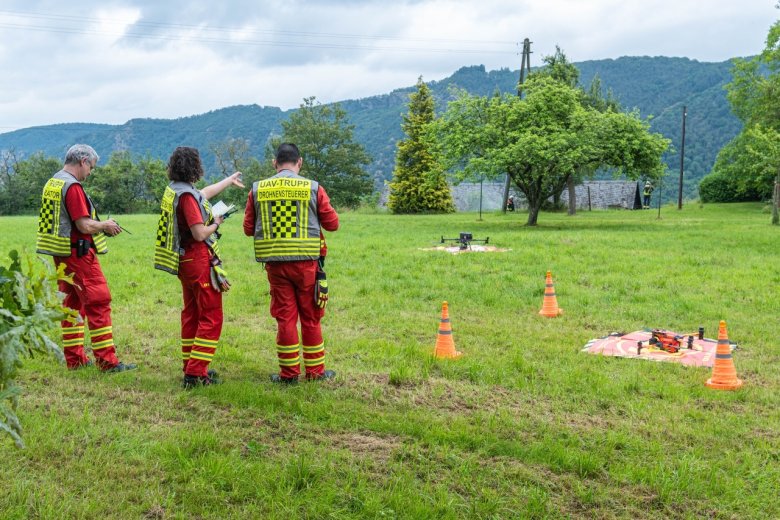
(656, 86)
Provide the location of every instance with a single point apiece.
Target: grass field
(522, 426)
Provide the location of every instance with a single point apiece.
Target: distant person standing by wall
(286, 214)
(510, 204)
(70, 230)
(186, 246)
(646, 194)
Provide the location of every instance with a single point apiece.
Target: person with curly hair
(187, 246)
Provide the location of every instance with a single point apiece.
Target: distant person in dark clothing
(647, 191)
(510, 204)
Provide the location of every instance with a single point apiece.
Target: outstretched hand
(235, 180)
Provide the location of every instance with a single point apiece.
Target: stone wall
(601, 194)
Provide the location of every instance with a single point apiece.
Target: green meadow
(523, 425)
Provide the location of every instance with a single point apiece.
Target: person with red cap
(286, 214)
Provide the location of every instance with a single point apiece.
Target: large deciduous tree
(419, 183)
(544, 138)
(330, 154)
(559, 68)
(749, 165)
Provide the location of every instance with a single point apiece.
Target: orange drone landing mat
(702, 355)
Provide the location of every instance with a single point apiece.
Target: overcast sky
(113, 60)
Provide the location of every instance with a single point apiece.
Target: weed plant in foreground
(522, 425)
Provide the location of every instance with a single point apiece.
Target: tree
(330, 154)
(560, 69)
(749, 162)
(232, 155)
(29, 306)
(544, 138)
(21, 181)
(127, 186)
(745, 168)
(419, 183)
(153, 178)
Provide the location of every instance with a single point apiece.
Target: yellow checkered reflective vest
(167, 247)
(54, 223)
(287, 227)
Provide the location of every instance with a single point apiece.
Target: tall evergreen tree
(419, 184)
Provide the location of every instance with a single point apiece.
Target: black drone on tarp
(465, 240)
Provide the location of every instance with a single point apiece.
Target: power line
(221, 39)
(270, 43)
(164, 25)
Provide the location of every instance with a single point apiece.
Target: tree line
(127, 184)
(552, 135)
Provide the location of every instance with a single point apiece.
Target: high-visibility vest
(54, 222)
(287, 227)
(167, 247)
(648, 190)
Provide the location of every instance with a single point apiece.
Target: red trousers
(201, 317)
(292, 298)
(89, 295)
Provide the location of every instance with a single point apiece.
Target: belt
(74, 245)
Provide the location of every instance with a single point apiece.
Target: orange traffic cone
(724, 375)
(445, 346)
(550, 307)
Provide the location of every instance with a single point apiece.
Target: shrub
(30, 306)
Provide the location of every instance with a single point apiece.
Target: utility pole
(480, 197)
(682, 159)
(525, 67)
(776, 200)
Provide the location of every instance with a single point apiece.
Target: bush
(30, 306)
(722, 188)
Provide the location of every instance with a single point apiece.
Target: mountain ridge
(656, 86)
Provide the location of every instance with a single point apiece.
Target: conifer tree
(419, 184)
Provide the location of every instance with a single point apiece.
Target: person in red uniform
(201, 316)
(69, 230)
(286, 214)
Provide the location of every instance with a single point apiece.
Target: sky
(113, 60)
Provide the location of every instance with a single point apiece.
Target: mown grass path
(522, 426)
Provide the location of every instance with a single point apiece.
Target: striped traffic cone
(550, 307)
(445, 346)
(724, 375)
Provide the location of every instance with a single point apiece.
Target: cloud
(114, 60)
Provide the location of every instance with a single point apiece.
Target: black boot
(327, 374)
(276, 378)
(193, 381)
